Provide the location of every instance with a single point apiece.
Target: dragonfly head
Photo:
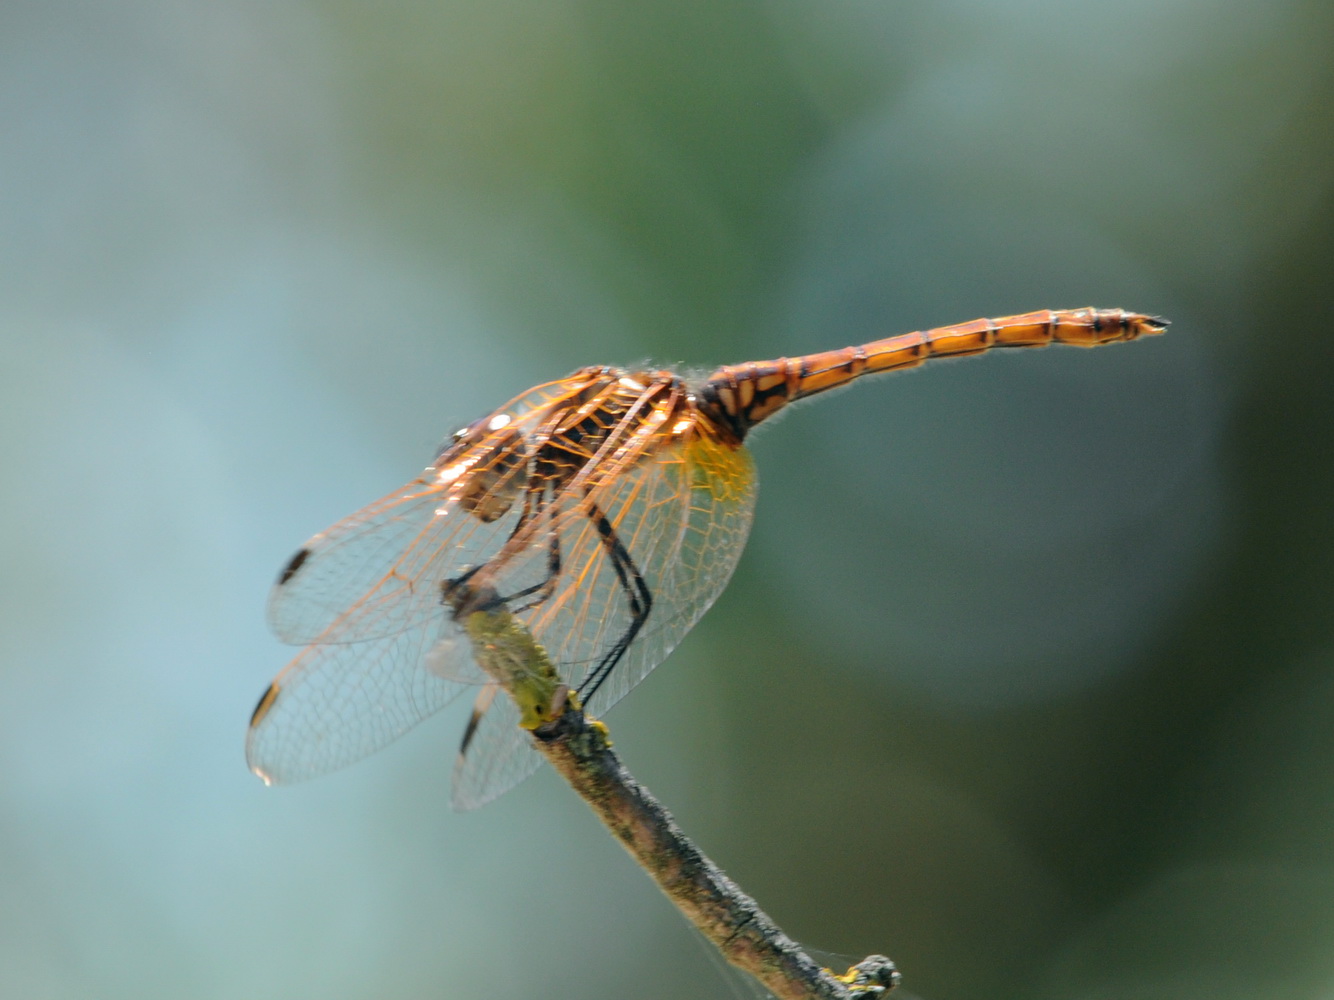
(465, 598)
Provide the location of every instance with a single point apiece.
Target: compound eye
(468, 432)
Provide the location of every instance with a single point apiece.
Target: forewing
(687, 571)
(682, 509)
(336, 703)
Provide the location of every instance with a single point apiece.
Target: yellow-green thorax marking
(517, 662)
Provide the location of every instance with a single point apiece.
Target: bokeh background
(1027, 675)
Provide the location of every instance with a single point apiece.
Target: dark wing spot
(293, 564)
(265, 703)
(470, 732)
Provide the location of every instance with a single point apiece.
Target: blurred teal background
(1027, 675)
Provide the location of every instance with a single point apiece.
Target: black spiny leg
(535, 503)
(541, 591)
(636, 592)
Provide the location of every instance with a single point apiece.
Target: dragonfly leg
(535, 506)
(541, 591)
(637, 593)
(458, 593)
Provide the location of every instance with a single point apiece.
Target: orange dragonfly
(604, 512)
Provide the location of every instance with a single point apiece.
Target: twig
(580, 749)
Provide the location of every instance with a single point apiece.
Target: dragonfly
(602, 513)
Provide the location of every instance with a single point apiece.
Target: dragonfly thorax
(507, 458)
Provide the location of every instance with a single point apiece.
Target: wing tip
(266, 701)
(262, 775)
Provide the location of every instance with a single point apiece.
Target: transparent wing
(334, 704)
(377, 572)
(686, 569)
(498, 756)
(682, 511)
(658, 516)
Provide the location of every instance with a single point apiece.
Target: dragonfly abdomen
(740, 396)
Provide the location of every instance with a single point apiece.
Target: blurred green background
(1027, 675)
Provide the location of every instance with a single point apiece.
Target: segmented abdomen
(740, 396)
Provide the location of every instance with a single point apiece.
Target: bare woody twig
(580, 749)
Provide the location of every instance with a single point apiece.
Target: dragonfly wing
(615, 561)
(497, 754)
(717, 481)
(336, 703)
(682, 512)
